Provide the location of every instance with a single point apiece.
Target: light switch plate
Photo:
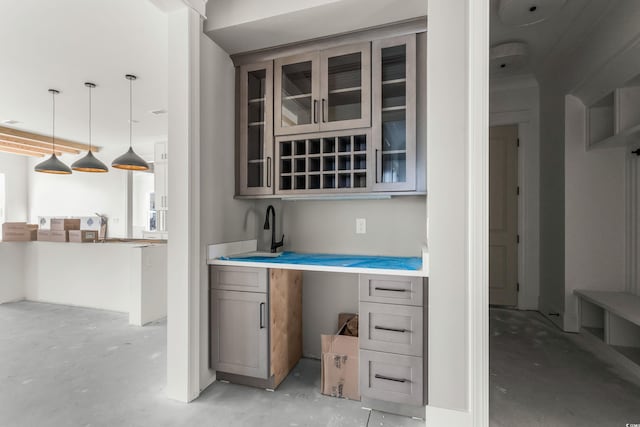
(361, 225)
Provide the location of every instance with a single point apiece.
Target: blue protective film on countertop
(330, 260)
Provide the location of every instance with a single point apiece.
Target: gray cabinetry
(394, 113)
(323, 90)
(392, 333)
(256, 129)
(255, 323)
(241, 337)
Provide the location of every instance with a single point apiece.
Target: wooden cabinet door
(240, 333)
(256, 129)
(345, 87)
(394, 113)
(297, 90)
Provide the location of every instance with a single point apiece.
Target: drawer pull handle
(391, 289)
(382, 328)
(382, 377)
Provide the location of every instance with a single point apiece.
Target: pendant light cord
(130, 111)
(53, 130)
(90, 118)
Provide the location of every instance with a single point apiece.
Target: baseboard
(394, 408)
(248, 381)
(554, 315)
(437, 417)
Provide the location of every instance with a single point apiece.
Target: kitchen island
(127, 277)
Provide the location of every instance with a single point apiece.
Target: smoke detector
(519, 13)
(508, 57)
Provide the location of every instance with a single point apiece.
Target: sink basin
(257, 254)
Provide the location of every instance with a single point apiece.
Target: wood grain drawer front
(391, 328)
(391, 289)
(391, 377)
(245, 279)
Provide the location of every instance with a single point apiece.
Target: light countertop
(223, 254)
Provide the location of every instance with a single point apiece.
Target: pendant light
(89, 163)
(130, 160)
(53, 164)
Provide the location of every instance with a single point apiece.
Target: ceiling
(548, 40)
(63, 43)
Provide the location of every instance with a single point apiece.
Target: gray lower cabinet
(392, 333)
(255, 324)
(241, 338)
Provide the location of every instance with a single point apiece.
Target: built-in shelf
(303, 95)
(614, 120)
(398, 108)
(346, 89)
(256, 124)
(256, 100)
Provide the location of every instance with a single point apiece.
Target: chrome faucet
(274, 245)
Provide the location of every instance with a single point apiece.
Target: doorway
(503, 215)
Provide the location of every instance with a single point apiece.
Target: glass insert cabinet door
(297, 89)
(394, 121)
(323, 90)
(346, 87)
(256, 129)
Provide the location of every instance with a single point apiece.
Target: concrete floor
(540, 376)
(65, 366)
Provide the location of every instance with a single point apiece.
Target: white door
(503, 215)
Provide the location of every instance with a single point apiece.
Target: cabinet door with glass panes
(256, 129)
(345, 87)
(297, 94)
(323, 90)
(394, 113)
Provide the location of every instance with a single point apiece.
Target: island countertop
(231, 254)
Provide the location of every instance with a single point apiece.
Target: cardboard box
(19, 232)
(83, 236)
(340, 363)
(348, 324)
(60, 224)
(53, 235)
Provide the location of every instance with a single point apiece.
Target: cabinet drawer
(391, 289)
(245, 279)
(391, 377)
(391, 328)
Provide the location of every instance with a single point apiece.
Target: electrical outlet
(361, 225)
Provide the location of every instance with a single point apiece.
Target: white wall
(84, 194)
(223, 219)
(574, 184)
(447, 151)
(12, 268)
(16, 171)
(247, 25)
(594, 214)
(516, 101)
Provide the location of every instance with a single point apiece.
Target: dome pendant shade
(89, 163)
(130, 161)
(53, 165)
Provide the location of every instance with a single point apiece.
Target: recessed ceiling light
(518, 13)
(508, 57)
(11, 122)
(158, 112)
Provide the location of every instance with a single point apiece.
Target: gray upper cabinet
(394, 109)
(323, 90)
(256, 129)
